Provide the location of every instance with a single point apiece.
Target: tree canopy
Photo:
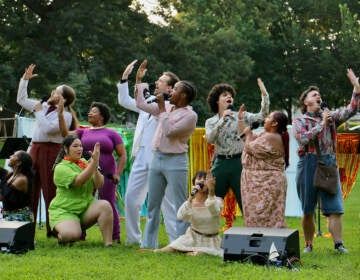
(87, 44)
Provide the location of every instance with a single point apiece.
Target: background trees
(87, 44)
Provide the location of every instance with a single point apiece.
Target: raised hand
(241, 113)
(262, 87)
(96, 152)
(353, 80)
(28, 74)
(141, 71)
(128, 70)
(210, 183)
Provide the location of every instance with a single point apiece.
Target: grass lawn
(90, 260)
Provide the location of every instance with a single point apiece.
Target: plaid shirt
(307, 127)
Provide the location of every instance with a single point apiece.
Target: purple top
(108, 139)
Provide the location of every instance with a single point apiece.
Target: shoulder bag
(326, 176)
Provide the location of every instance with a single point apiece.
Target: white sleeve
(22, 97)
(124, 97)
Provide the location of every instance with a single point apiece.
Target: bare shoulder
(21, 183)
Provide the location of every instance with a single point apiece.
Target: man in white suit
(137, 186)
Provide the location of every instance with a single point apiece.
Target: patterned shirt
(224, 134)
(307, 128)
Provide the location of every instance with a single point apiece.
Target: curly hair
(215, 92)
(104, 110)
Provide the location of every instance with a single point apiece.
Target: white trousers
(135, 195)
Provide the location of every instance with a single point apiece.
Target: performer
(16, 188)
(202, 210)
(110, 142)
(320, 125)
(47, 138)
(74, 209)
(137, 185)
(222, 131)
(169, 166)
(263, 180)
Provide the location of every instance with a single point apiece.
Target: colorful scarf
(78, 162)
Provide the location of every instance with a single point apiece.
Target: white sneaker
(342, 249)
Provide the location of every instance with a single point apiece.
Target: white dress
(202, 235)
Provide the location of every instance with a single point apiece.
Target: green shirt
(70, 199)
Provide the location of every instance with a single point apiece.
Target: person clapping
(74, 209)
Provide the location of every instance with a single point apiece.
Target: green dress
(71, 202)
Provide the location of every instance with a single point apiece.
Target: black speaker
(17, 237)
(260, 244)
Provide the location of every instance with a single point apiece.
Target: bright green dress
(71, 202)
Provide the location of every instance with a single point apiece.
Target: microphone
(194, 191)
(324, 106)
(253, 126)
(230, 107)
(166, 97)
(147, 91)
(44, 98)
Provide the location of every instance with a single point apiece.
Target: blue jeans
(330, 204)
(166, 171)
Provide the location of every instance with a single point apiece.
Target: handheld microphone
(253, 126)
(166, 97)
(324, 106)
(44, 98)
(194, 191)
(230, 107)
(147, 91)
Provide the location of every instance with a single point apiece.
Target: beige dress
(202, 235)
(263, 185)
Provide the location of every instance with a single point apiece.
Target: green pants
(228, 175)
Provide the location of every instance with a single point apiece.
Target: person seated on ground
(202, 210)
(16, 188)
(74, 209)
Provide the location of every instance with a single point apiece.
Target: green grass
(90, 260)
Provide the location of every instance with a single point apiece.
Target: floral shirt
(307, 128)
(224, 134)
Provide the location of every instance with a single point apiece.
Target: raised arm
(265, 103)
(22, 95)
(91, 170)
(152, 108)
(123, 90)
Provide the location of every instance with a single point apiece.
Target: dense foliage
(87, 44)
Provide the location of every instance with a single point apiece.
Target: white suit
(137, 186)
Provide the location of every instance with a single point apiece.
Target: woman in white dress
(202, 210)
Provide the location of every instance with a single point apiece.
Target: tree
(91, 39)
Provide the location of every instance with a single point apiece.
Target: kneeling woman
(202, 210)
(74, 209)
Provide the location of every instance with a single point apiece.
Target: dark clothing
(13, 199)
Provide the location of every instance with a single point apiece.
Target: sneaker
(342, 249)
(308, 249)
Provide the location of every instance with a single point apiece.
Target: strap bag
(326, 176)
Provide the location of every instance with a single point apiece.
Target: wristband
(123, 81)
